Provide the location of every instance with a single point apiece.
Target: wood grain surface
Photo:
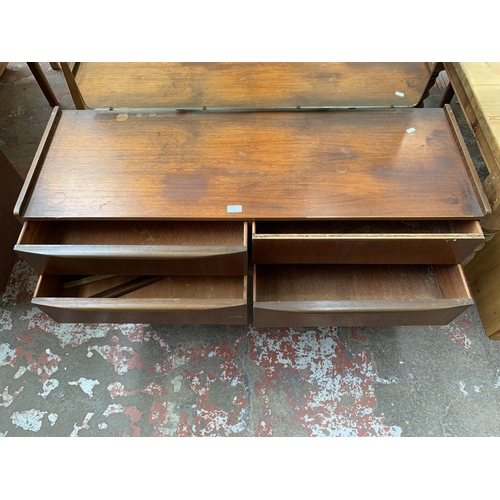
(364, 295)
(364, 242)
(339, 165)
(251, 85)
(146, 247)
(172, 300)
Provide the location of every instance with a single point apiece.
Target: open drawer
(358, 295)
(169, 299)
(135, 247)
(364, 242)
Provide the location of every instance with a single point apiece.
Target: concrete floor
(161, 380)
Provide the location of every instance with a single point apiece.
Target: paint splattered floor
(161, 380)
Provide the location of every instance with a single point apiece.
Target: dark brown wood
(127, 287)
(364, 242)
(248, 85)
(86, 280)
(364, 295)
(338, 165)
(36, 164)
(172, 300)
(10, 186)
(72, 86)
(55, 66)
(146, 247)
(434, 69)
(374, 314)
(43, 83)
(447, 96)
(464, 151)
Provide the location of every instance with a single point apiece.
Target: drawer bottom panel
(358, 295)
(168, 300)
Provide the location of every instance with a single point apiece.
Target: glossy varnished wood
(339, 165)
(364, 295)
(147, 247)
(36, 164)
(174, 299)
(364, 242)
(249, 85)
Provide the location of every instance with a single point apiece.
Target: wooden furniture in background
(364, 188)
(477, 87)
(247, 85)
(43, 83)
(483, 273)
(10, 187)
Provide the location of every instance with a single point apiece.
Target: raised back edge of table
(466, 157)
(37, 163)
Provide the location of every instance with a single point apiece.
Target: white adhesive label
(233, 209)
(399, 94)
(410, 130)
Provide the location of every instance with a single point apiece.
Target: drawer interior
(168, 287)
(303, 283)
(175, 233)
(264, 229)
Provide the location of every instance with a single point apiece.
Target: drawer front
(348, 295)
(121, 247)
(389, 242)
(340, 314)
(170, 300)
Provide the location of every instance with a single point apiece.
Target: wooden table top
(481, 82)
(390, 164)
(251, 85)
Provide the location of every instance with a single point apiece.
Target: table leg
(447, 96)
(43, 82)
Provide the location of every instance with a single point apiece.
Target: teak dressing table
(342, 217)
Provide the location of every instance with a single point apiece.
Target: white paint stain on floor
(48, 386)
(5, 320)
(20, 372)
(29, 420)
(112, 410)
(68, 334)
(7, 399)
(7, 355)
(86, 385)
(177, 383)
(85, 425)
